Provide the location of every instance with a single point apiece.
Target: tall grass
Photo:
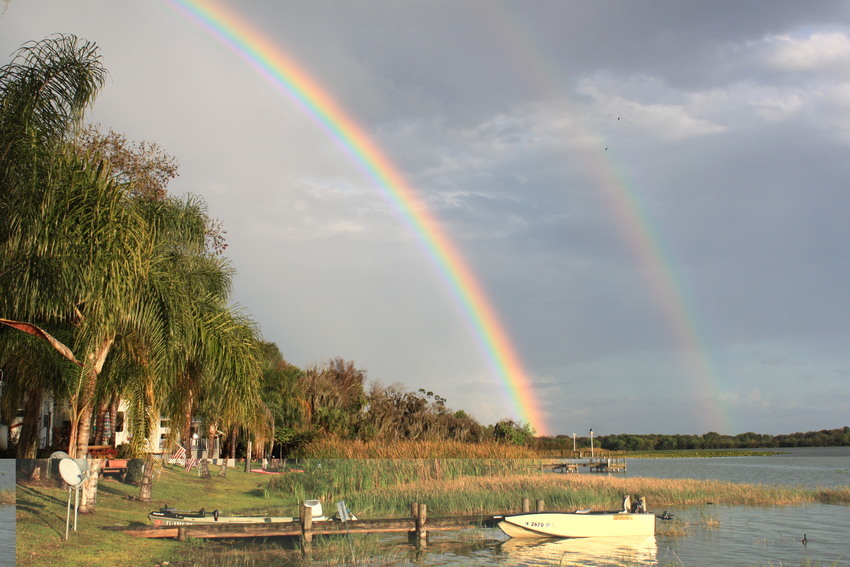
(333, 448)
(338, 479)
(379, 488)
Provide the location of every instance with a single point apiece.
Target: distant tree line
(337, 399)
(712, 440)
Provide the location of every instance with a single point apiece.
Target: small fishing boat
(581, 523)
(172, 517)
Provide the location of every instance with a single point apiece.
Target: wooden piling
(539, 505)
(526, 505)
(421, 519)
(306, 524)
(181, 533)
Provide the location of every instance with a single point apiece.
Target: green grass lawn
(41, 512)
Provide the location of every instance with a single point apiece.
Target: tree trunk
(98, 424)
(89, 492)
(39, 470)
(146, 486)
(91, 371)
(113, 417)
(205, 468)
(28, 439)
(234, 432)
(186, 426)
(248, 457)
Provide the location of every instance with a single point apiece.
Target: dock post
(306, 524)
(540, 505)
(526, 505)
(421, 519)
(181, 533)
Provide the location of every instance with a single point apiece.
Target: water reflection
(609, 551)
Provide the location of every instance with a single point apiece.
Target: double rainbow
(274, 64)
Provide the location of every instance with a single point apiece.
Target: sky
(652, 197)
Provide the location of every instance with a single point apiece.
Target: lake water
(720, 535)
(809, 467)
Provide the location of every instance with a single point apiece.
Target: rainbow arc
(284, 73)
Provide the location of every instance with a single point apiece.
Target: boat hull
(578, 524)
(188, 521)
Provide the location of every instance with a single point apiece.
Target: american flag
(191, 463)
(179, 454)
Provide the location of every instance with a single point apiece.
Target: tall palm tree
(44, 92)
(78, 248)
(62, 258)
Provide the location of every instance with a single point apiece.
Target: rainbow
(633, 219)
(271, 61)
(636, 225)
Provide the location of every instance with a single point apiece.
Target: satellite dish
(71, 473)
(59, 455)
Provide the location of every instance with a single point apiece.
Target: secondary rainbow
(633, 219)
(276, 66)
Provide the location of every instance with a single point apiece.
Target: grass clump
(7, 497)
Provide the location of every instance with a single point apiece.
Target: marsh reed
(386, 487)
(333, 448)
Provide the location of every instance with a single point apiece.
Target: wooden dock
(607, 465)
(416, 526)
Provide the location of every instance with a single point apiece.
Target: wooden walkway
(613, 464)
(416, 526)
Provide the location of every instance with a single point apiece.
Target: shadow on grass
(36, 503)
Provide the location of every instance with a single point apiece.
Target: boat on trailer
(581, 523)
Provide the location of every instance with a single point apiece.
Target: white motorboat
(581, 523)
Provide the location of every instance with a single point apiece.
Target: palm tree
(44, 92)
(130, 274)
(69, 244)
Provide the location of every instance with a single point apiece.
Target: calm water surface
(809, 467)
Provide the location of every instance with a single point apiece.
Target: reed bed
(336, 479)
(333, 448)
(386, 488)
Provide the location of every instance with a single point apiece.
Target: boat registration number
(538, 524)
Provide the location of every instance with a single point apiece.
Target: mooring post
(181, 533)
(421, 519)
(540, 505)
(526, 505)
(306, 524)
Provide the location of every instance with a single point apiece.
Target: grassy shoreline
(371, 488)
